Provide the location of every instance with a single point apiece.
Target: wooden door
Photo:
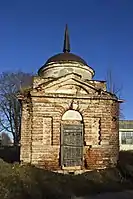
(71, 145)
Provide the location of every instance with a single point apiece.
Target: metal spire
(66, 48)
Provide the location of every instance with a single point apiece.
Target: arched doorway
(71, 139)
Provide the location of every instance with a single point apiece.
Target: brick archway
(71, 139)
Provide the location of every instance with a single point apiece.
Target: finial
(66, 48)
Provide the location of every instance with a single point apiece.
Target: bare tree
(114, 89)
(10, 107)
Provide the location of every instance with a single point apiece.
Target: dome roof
(65, 57)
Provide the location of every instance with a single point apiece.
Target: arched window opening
(72, 115)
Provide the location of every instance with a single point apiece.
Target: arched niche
(72, 115)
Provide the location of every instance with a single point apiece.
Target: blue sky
(101, 32)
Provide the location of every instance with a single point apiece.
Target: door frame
(62, 145)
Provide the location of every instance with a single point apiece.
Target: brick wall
(40, 137)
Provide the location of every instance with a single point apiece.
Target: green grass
(28, 182)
